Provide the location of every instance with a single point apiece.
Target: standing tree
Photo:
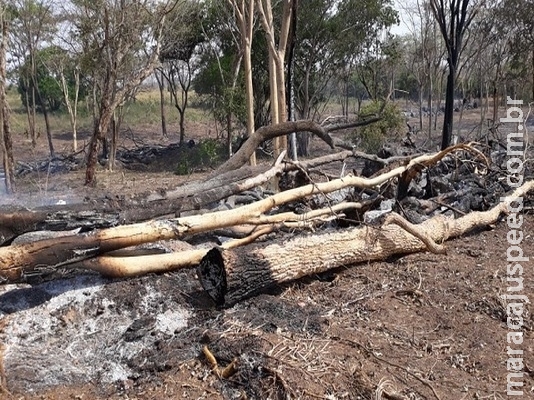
(220, 78)
(277, 53)
(424, 54)
(33, 25)
(5, 134)
(65, 70)
(160, 78)
(178, 74)
(454, 18)
(115, 35)
(244, 15)
(290, 96)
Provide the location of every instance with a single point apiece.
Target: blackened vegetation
(212, 276)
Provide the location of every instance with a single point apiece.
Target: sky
(402, 28)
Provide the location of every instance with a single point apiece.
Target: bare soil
(421, 326)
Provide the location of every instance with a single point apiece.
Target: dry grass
(142, 113)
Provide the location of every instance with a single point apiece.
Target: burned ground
(422, 325)
(419, 326)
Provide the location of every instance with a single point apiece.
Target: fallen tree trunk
(105, 213)
(230, 275)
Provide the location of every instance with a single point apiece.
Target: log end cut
(212, 275)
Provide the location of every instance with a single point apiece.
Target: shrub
(373, 136)
(210, 151)
(206, 154)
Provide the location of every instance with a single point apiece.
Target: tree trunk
(230, 276)
(291, 79)
(448, 118)
(484, 103)
(246, 36)
(17, 259)
(47, 125)
(45, 114)
(273, 94)
(271, 132)
(421, 108)
(6, 141)
(495, 102)
(277, 64)
(73, 111)
(161, 86)
(229, 136)
(7, 148)
(31, 122)
(33, 118)
(115, 127)
(249, 89)
(303, 138)
(430, 108)
(456, 137)
(101, 127)
(181, 112)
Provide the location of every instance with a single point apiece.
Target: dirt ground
(420, 326)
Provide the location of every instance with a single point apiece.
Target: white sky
(402, 28)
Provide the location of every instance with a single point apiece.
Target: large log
(229, 275)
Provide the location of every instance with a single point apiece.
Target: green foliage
(182, 32)
(373, 135)
(183, 167)
(222, 98)
(206, 154)
(331, 36)
(209, 151)
(407, 81)
(48, 63)
(360, 23)
(216, 81)
(50, 90)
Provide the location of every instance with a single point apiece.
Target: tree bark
(47, 122)
(105, 213)
(101, 127)
(271, 132)
(245, 21)
(446, 133)
(277, 64)
(161, 85)
(229, 276)
(6, 141)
